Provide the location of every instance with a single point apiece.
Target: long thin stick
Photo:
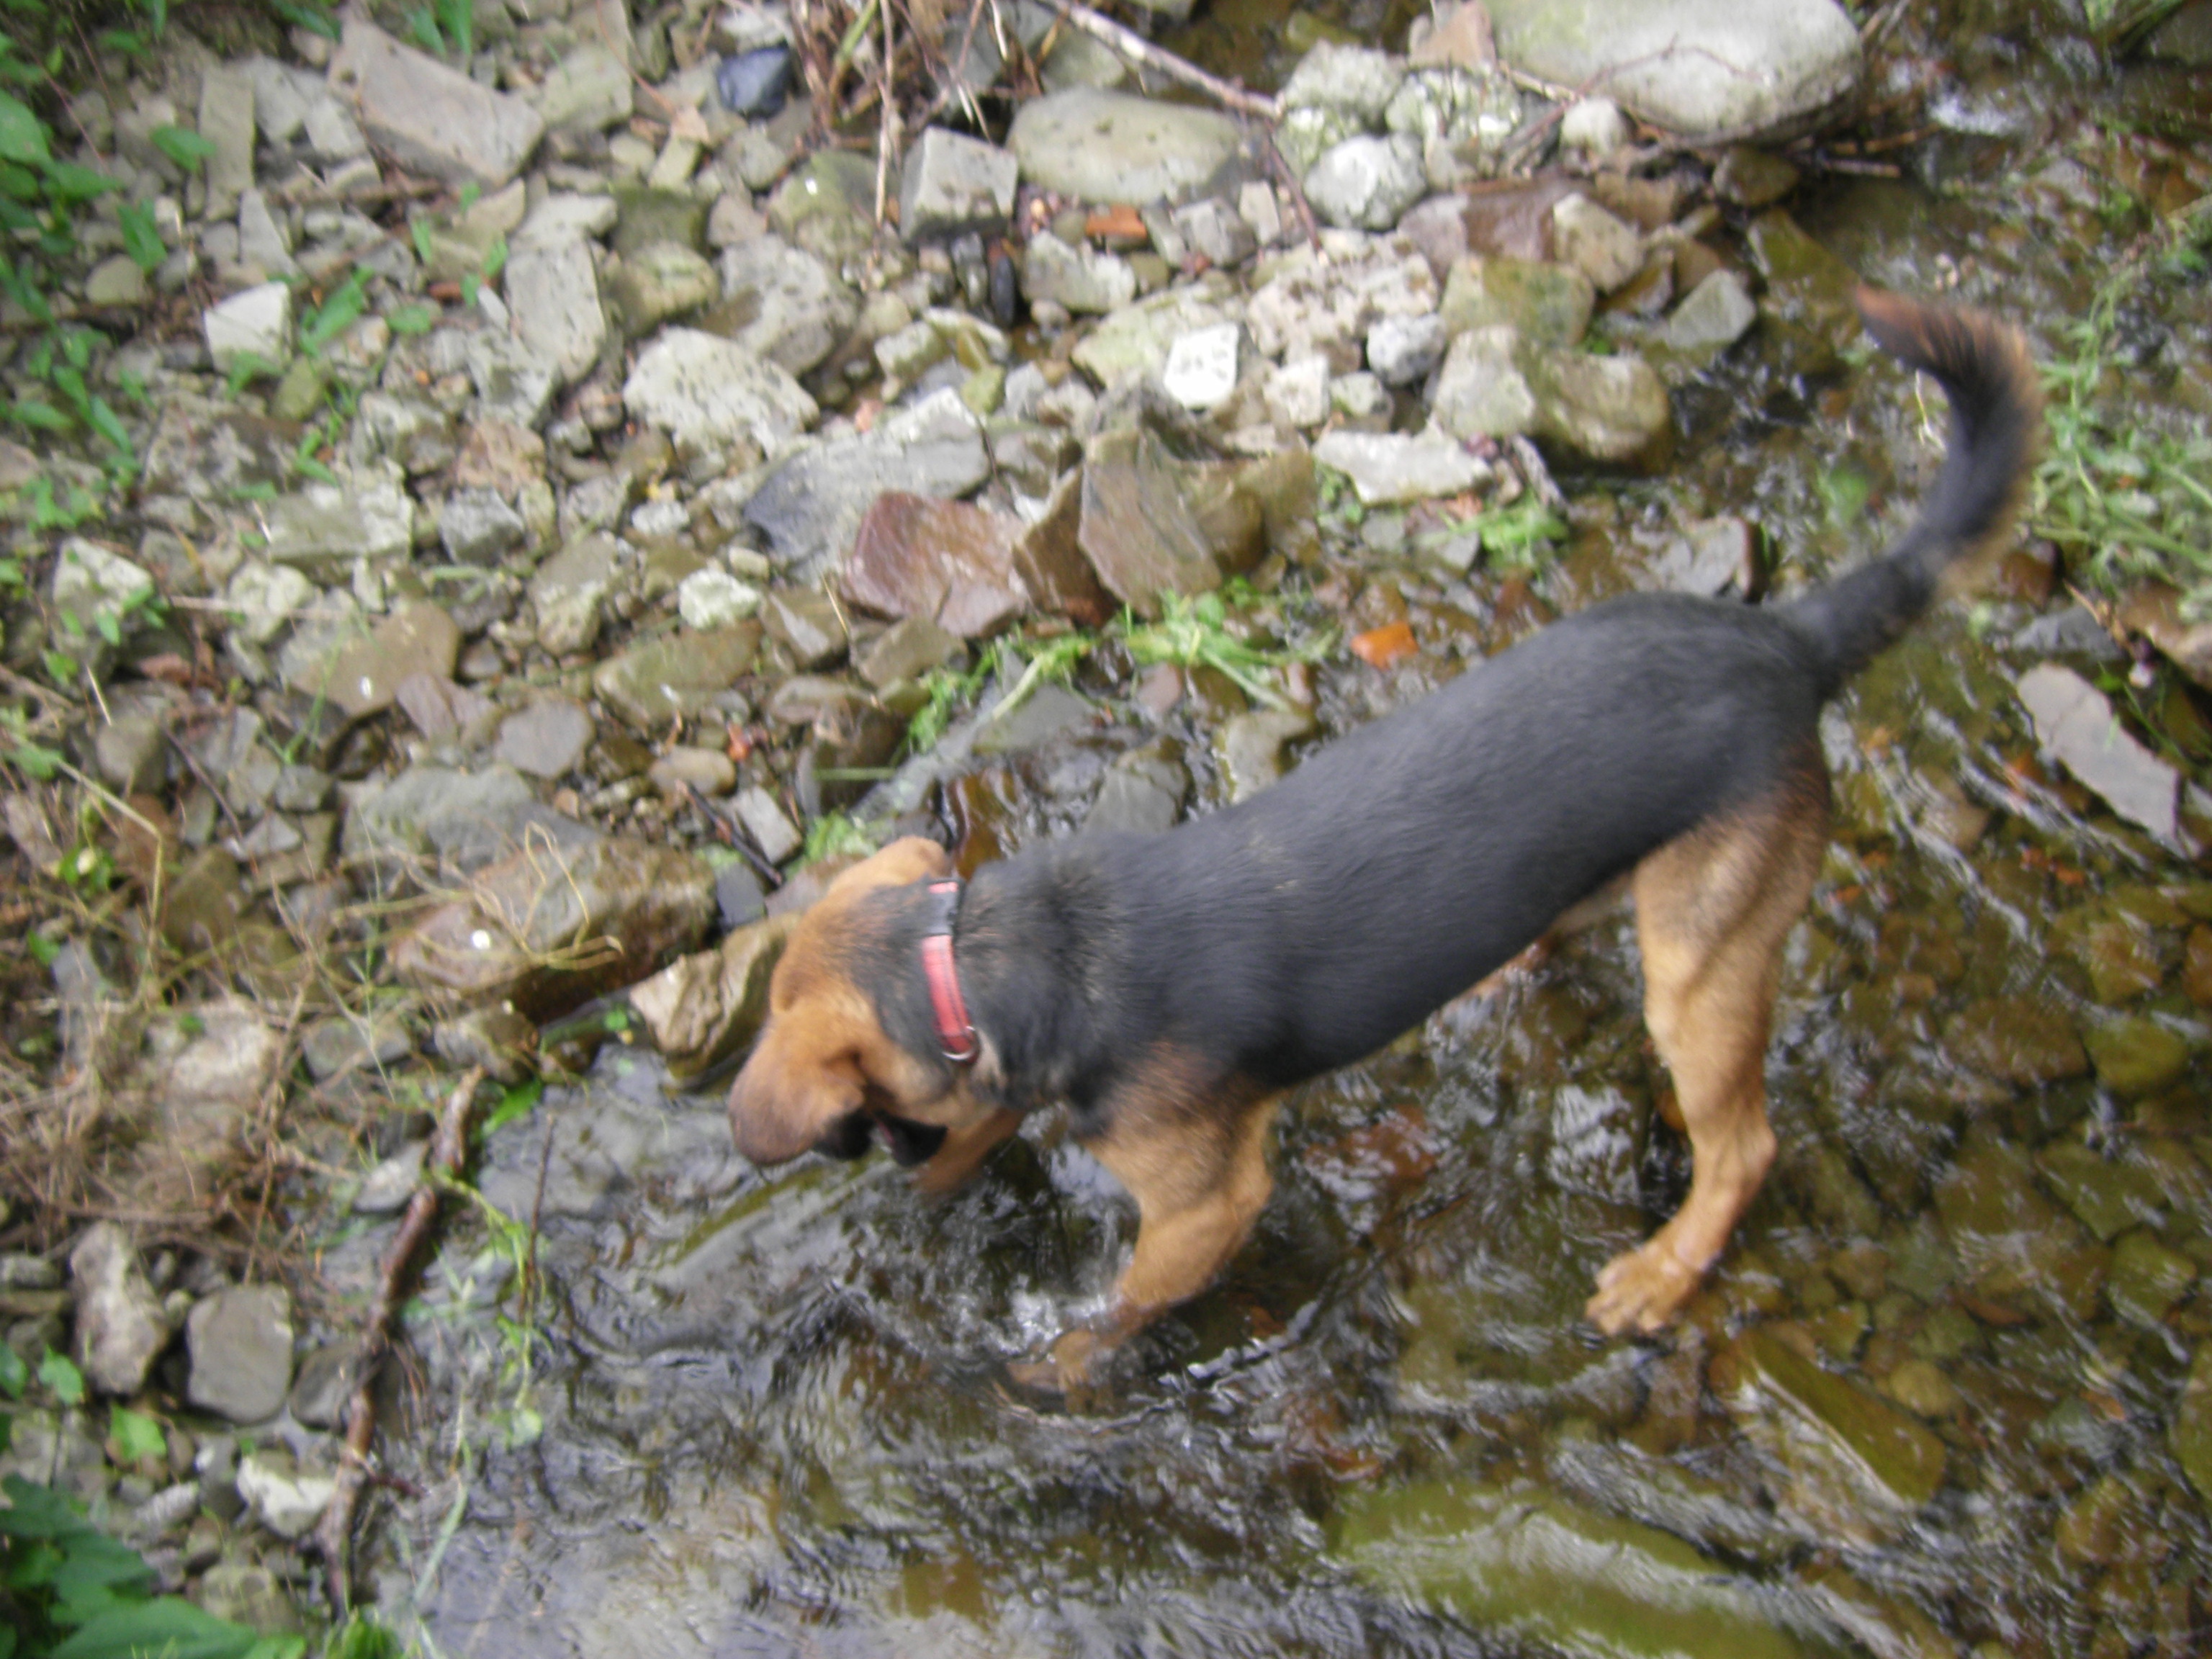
(334, 1533)
(1138, 49)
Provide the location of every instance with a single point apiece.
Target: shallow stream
(1927, 1404)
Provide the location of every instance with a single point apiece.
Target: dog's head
(824, 1073)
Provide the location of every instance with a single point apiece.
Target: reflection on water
(1937, 1398)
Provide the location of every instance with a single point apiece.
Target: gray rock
(2075, 725)
(412, 431)
(386, 1189)
(345, 1044)
(907, 650)
(1297, 394)
(1303, 136)
(505, 942)
(1083, 279)
(240, 1343)
(1251, 747)
(1390, 468)
(20, 1270)
(512, 381)
(553, 291)
(705, 1008)
(585, 92)
(1136, 338)
(1716, 314)
(325, 528)
(476, 526)
(227, 122)
(683, 769)
(262, 242)
(363, 677)
(1548, 303)
(428, 117)
(323, 1392)
(1219, 231)
(1613, 410)
(1049, 711)
(563, 216)
(2075, 631)
(798, 310)
(255, 326)
(566, 591)
(1143, 792)
(1482, 392)
(776, 836)
(461, 241)
(1103, 146)
(1713, 558)
(810, 508)
(714, 598)
(1700, 67)
(827, 205)
(116, 281)
(651, 683)
(1585, 236)
(1594, 126)
(211, 1088)
(89, 582)
(1366, 182)
(952, 182)
(263, 598)
(656, 282)
(120, 1325)
(1354, 78)
(546, 738)
(707, 392)
(282, 1497)
(461, 820)
(1401, 350)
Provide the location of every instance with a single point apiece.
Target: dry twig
(333, 1535)
(1138, 49)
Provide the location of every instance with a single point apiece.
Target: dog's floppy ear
(785, 1099)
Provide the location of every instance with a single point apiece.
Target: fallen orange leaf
(1385, 646)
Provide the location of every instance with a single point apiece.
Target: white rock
(953, 183)
(1297, 394)
(1401, 350)
(565, 218)
(1360, 396)
(714, 598)
(764, 820)
(285, 1499)
(1357, 78)
(120, 1325)
(1601, 247)
(90, 581)
(1367, 182)
(262, 598)
(1256, 201)
(1201, 365)
(261, 240)
(1084, 279)
(1390, 468)
(1595, 126)
(703, 389)
(256, 323)
(553, 290)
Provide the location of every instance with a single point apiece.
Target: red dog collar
(955, 1034)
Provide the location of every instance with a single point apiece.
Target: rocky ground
(579, 500)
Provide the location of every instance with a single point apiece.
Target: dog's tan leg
(1198, 1174)
(962, 1152)
(1712, 909)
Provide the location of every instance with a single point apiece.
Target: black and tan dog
(1168, 987)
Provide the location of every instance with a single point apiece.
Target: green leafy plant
(445, 26)
(67, 1591)
(1520, 537)
(340, 309)
(2128, 497)
(1193, 633)
(834, 836)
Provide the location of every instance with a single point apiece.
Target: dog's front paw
(1066, 1370)
(1642, 1290)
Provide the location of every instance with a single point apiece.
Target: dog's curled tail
(1997, 409)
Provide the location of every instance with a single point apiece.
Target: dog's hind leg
(1712, 909)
